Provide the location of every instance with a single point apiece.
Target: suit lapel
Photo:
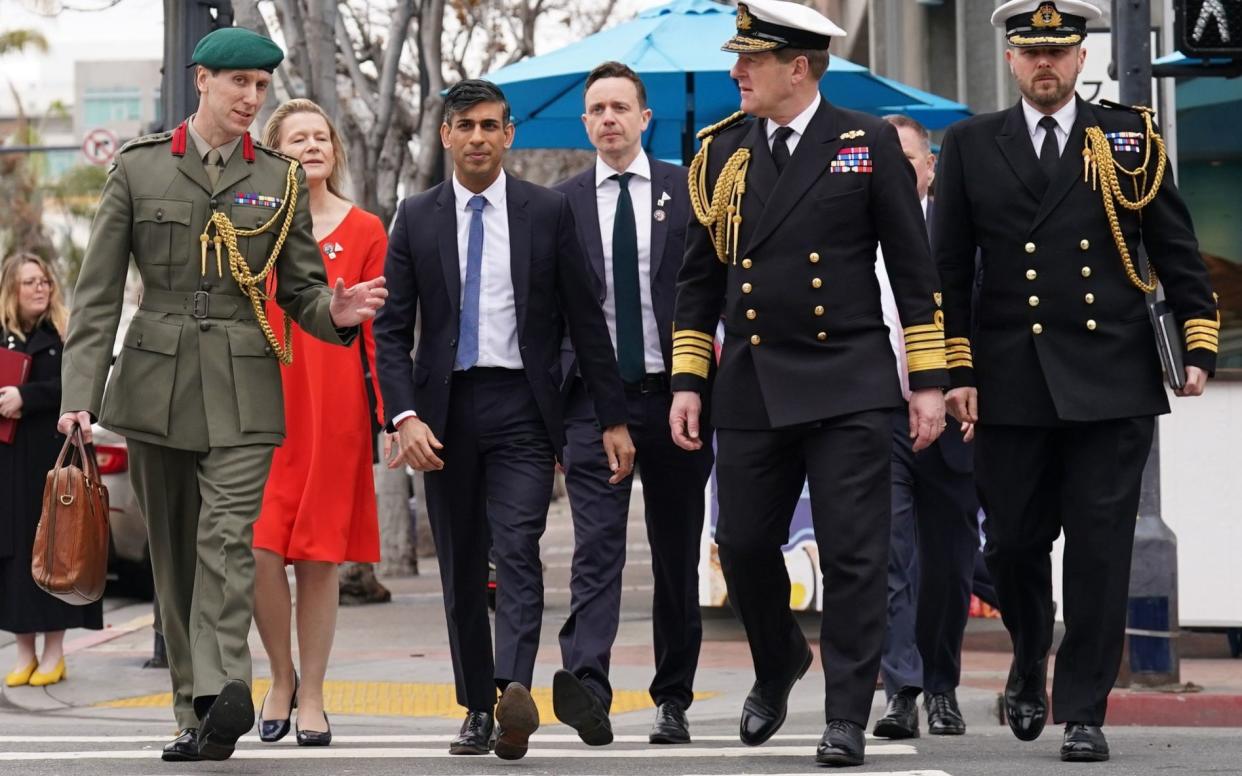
(588, 205)
(1015, 143)
(818, 144)
(519, 247)
(446, 237)
(191, 166)
(1069, 169)
(659, 226)
(236, 171)
(761, 172)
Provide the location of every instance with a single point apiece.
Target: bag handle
(75, 450)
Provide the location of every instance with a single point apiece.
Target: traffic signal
(1206, 28)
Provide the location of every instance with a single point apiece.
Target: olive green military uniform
(196, 387)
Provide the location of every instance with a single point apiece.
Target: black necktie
(625, 294)
(1049, 152)
(780, 148)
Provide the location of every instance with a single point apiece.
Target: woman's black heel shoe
(316, 737)
(271, 731)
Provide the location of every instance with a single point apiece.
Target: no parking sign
(99, 146)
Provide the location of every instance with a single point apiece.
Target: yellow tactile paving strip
(399, 699)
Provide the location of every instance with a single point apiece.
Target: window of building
(106, 106)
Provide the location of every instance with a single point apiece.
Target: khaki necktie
(211, 163)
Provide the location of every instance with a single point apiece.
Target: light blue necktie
(468, 336)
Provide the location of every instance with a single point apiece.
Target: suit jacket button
(816, 282)
(1037, 329)
(746, 263)
(204, 326)
(452, 343)
(819, 310)
(754, 339)
(746, 287)
(823, 335)
(159, 214)
(1031, 274)
(1086, 272)
(1090, 325)
(1089, 298)
(1030, 247)
(1033, 301)
(1085, 244)
(814, 257)
(446, 381)
(751, 314)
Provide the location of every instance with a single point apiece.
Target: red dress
(320, 498)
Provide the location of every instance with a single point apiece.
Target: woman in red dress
(319, 506)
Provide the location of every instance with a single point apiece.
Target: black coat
(23, 470)
(550, 287)
(1060, 333)
(805, 338)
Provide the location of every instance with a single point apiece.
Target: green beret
(237, 48)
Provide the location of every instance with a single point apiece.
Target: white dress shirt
(798, 125)
(888, 304)
(607, 192)
(1065, 122)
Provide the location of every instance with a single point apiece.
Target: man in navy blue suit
(479, 409)
(631, 211)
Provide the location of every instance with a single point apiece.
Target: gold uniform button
(1089, 298)
(1086, 272)
(1031, 274)
(754, 339)
(814, 257)
(746, 263)
(816, 282)
(819, 310)
(1033, 301)
(1030, 247)
(1085, 244)
(1037, 328)
(746, 287)
(1090, 325)
(751, 314)
(823, 335)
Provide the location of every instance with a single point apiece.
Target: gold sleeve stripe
(691, 334)
(1199, 344)
(963, 341)
(931, 336)
(686, 364)
(923, 362)
(1201, 330)
(925, 344)
(961, 364)
(692, 350)
(925, 328)
(1208, 322)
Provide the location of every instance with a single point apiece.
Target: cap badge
(744, 20)
(1047, 17)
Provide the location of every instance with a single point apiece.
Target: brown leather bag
(70, 558)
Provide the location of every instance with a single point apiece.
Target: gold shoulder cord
(722, 214)
(250, 283)
(1099, 167)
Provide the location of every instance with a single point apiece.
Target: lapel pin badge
(664, 197)
(658, 215)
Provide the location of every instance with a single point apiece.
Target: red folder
(14, 369)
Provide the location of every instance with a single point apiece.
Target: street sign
(100, 145)
(1208, 27)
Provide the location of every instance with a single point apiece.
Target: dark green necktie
(625, 292)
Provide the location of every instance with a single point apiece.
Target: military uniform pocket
(256, 382)
(256, 248)
(139, 395)
(162, 231)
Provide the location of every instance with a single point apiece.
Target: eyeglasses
(36, 283)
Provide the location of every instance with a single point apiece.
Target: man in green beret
(209, 217)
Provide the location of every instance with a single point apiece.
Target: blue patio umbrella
(676, 50)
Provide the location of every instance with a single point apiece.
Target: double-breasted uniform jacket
(195, 371)
(805, 338)
(1061, 334)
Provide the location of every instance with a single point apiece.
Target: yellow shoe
(44, 678)
(22, 675)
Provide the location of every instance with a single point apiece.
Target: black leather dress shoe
(1084, 743)
(764, 711)
(272, 730)
(183, 748)
(517, 718)
(316, 737)
(1026, 700)
(576, 706)
(228, 719)
(842, 744)
(476, 734)
(944, 718)
(901, 718)
(671, 726)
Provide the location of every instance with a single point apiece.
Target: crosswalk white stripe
(341, 753)
(428, 738)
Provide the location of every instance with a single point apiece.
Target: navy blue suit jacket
(552, 291)
(668, 244)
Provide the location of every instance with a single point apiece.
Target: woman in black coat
(32, 317)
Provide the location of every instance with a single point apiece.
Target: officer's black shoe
(1026, 700)
(517, 718)
(842, 744)
(1083, 743)
(671, 726)
(475, 736)
(944, 718)
(764, 711)
(231, 715)
(901, 718)
(183, 748)
(576, 706)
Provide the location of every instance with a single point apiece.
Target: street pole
(1152, 631)
(185, 24)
